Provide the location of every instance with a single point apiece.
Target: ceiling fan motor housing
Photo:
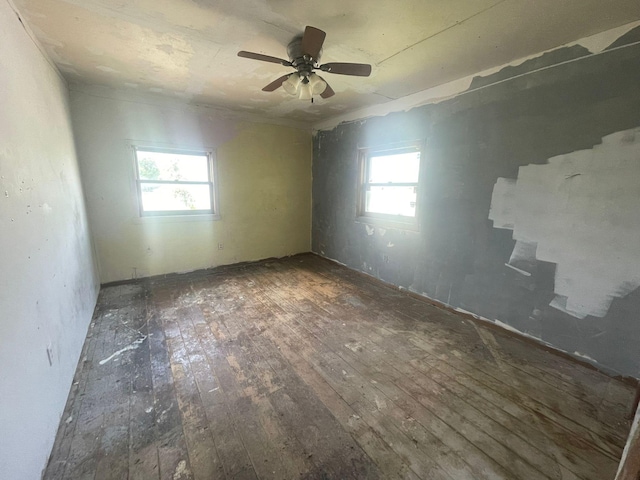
(301, 62)
(304, 53)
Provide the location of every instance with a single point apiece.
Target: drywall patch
(579, 211)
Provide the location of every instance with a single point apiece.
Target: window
(175, 182)
(389, 183)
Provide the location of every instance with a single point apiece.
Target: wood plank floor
(300, 368)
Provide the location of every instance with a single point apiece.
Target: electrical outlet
(220, 246)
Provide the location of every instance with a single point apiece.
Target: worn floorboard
(301, 368)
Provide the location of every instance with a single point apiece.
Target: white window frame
(383, 219)
(213, 212)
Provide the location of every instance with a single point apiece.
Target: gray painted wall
(48, 283)
(579, 290)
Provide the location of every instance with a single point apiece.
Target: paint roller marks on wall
(580, 211)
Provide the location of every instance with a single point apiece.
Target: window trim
(212, 182)
(384, 219)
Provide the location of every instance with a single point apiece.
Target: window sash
(210, 182)
(174, 182)
(365, 185)
(392, 184)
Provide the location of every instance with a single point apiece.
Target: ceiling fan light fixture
(292, 83)
(304, 56)
(306, 91)
(318, 85)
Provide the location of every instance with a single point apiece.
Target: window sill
(389, 223)
(205, 217)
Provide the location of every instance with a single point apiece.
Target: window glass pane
(172, 166)
(158, 197)
(391, 200)
(399, 168)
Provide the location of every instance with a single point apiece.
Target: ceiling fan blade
(328, 92)
(312, 41)
(263, 58)
(357, 69)
(275, 84)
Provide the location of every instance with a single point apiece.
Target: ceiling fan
(304, 53)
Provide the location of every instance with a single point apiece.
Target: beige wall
(48, 283)
(264, 174)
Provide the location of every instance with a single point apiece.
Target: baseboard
(632, 381)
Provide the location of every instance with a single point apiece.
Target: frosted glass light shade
(292, 83)
(305, 91)
(317, 84)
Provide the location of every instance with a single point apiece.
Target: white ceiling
(187, 48)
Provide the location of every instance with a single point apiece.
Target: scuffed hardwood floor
(300, 368)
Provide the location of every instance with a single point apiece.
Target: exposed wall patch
(595, 44)
(579, 211)
(599, 42)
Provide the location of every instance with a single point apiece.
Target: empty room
(277, 239)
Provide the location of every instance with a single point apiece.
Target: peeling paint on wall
(594, 45)
(579, 211)
(476, 144)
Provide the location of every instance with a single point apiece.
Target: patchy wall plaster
(48, 282)
(478, 141)
(581, 212)
(594, 44)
